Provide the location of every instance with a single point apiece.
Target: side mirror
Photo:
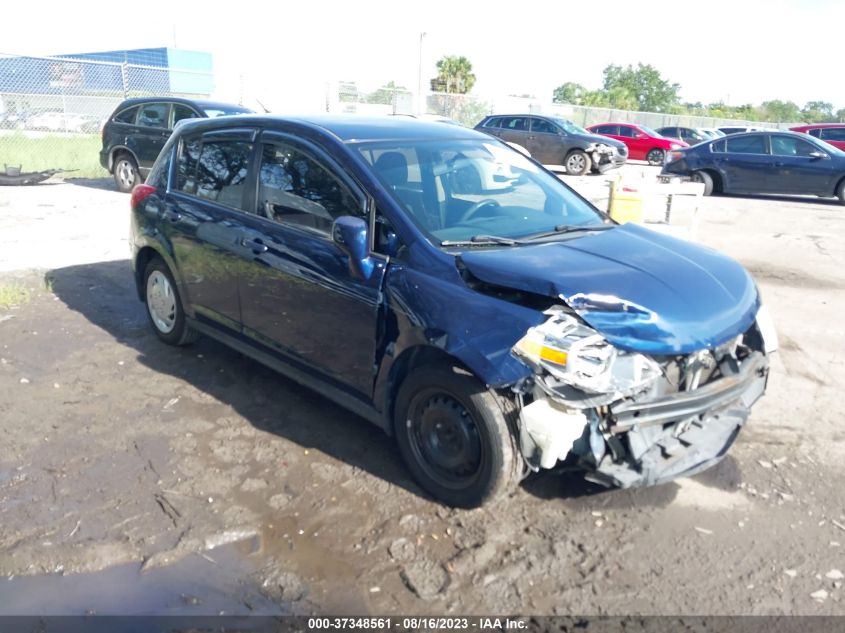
(351, 236)
(817, 155)
(641, 135)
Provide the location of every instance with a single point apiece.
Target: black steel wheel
(454, 438)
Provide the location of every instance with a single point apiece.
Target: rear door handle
(256, 245)
(779, 164)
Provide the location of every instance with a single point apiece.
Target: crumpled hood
(643, 291)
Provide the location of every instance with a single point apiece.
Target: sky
(284, 52)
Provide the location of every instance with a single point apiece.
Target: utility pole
(420, 104)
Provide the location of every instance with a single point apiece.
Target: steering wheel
(474, 209)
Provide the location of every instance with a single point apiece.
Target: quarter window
(294, 189)
(127, 116)
(153, 115)
(222, 172)
(817, 132)
(753, 144)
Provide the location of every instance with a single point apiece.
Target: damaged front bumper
(604, 157)
(650, 434)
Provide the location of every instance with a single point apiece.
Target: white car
(62, 122)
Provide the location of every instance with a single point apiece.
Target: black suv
(137, 130)
(555, 142)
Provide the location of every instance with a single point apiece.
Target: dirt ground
(139, 478)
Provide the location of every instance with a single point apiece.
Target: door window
(833, 134)
(153, 115)
(182, 112)
(751, 144)
(516, 123)
(293, 188)
(817, 132)
(627, 132)
(608, 129)
(539, 125)
(789, 146)
(494, 122)
(222, 172)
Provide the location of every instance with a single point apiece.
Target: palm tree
(454, 75)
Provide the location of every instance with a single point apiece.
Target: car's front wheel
(840, 192)
(704, 178)
(164, 306)
(655, 156)
(577, 163)
(454, 437)
(126, 174)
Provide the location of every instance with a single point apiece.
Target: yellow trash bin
(626, 204)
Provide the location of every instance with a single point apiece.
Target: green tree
(454, 75)
(840, 115)
(781, 111)
(570, 92)
(644, 84)
(818, 112)
(386, 94)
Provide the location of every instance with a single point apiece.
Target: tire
(840, 192)
(706, 179)
(655, 156)
(164, 305)
(439, 406)
(126, 174)
(577, 163)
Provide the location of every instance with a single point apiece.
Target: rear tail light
(141, 193)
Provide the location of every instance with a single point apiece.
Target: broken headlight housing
(577, 355)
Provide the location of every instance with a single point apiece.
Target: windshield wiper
(560, 229)
(482, 240)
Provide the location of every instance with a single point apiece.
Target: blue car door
(801, 167)
(298, 295)
(203, 216)
(747, 164)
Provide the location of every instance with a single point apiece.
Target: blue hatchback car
(493, 327)
(778, 162)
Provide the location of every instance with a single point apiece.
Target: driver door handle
(256, 245)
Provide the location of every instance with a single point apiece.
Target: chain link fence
(52, 109)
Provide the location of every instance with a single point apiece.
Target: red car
(830, 133)
(643, 143)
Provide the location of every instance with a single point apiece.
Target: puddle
(195, 585)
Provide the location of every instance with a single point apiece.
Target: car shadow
(833, 202)
(267, 400)
(105, 183)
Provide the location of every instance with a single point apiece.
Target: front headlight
(767, 330)
(579, 356)
(675, 146)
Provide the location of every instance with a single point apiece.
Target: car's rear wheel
(655, 156)
(704, 178)
(164, 305)
(126, 174)
(454, 437)
(577, 163)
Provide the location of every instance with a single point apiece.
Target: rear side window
(817, 132)
(833, 134)
(222, 172)
(126, 116)
(608, 129)
(752, 144)
(186, 164)
(293, 188)
(515, 123)
(627, 132)
(153, 115)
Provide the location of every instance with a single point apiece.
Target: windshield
(458, 190)
(569, 126)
